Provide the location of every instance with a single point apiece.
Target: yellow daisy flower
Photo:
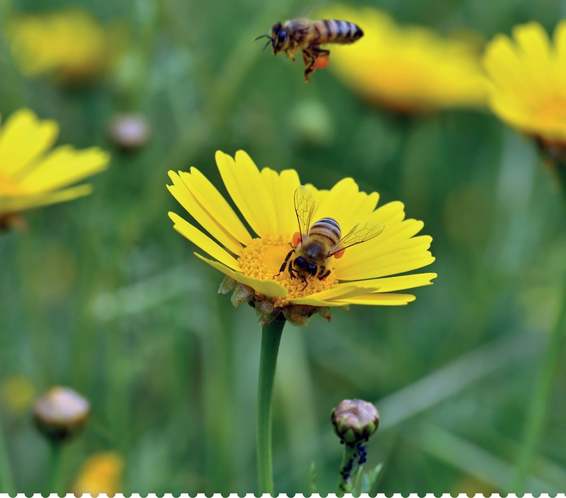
(100, 474)
(69, 44)
(367, 274)
(406, 69)
(528, 81)
(31, 175)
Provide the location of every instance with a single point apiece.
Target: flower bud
(60, 413)
(130, 131)
(355, 421)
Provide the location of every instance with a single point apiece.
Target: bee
(314, 244)
(306, 35)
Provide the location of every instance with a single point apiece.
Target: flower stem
(543, 390)
(6, 481)
(347, 469)
(270, 340)
(54, 478)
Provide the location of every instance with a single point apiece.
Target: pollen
(262, 259)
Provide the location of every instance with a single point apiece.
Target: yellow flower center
(8, 187)
(262, 258)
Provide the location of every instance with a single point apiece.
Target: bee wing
(305, 206)
(357, 235)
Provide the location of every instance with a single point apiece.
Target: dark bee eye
(282, 35)
(312, 268)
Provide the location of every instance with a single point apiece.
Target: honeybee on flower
(369, 273)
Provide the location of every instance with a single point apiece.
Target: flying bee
(314, 244)
(306, 35)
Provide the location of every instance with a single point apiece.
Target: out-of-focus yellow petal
(23, 138)
(398, 66)
(17, 204)
(62, 167)
(202, 241)
(527, 79)
(100, 474)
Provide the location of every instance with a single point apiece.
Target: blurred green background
(102, 295)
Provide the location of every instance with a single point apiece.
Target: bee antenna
(262, 36)
(267, 45)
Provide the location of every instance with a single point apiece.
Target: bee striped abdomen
(337, 31)
(327, 228)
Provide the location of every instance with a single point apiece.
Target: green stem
(543, 390)
(347, 468)
(55, 469)
(6, 480)
(270, 340)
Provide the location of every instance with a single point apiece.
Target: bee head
(304, 265)
(279, 37)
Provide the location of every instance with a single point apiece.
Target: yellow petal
(381, 299)
(393, 265)
(201, 212)
(335, 293)
(393, 284)
(62, 167)
(17, 204)
(24, 138)
(209, 196)
(246, 187)
(265, 287)
(202, 241)
(532, 40)
(395, 240)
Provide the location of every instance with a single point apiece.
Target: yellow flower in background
(32, 174)
(69, 44)
(406, 68)
(101, 474)
(368, 273)
(528, 80)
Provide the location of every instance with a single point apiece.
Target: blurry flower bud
(60, 413)
(129, 131)
(355, 421)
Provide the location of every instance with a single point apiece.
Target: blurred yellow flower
(528, 80)
(100, 474)
(31, 175)
(367, 273)
(69, 44)
(17, 393)
(406, 68)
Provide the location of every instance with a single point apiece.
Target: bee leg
(284, 265)
(305, 281)
(292, 272)
(323, 273)
(311, 56)
(309, 59)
